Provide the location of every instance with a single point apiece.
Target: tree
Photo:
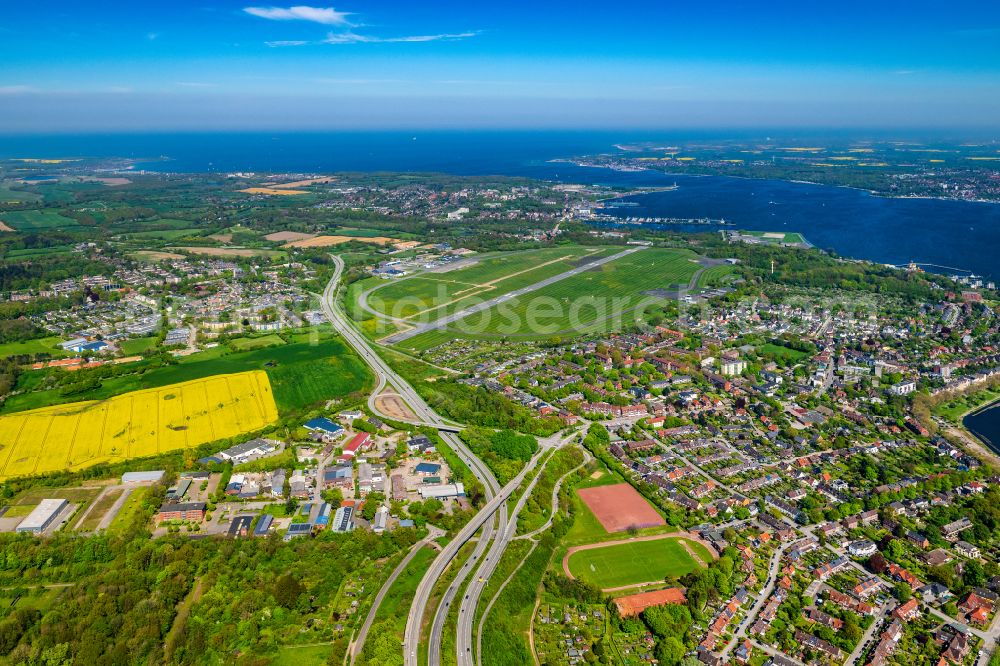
(669, 651)
(287, 590)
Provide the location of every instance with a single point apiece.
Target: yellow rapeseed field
(137, 424)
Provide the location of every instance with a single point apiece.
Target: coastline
(979, 444)
(874, 193)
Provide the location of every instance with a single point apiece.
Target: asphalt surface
(486, 305)
(425, 415)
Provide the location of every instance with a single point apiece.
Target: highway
(425, 415)
(481, 579)
(358, 645)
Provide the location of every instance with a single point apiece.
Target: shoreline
(874, 193)
(979, 444)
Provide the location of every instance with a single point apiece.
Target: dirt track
(393, 406)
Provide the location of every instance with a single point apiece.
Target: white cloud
(324, 15)
(354, 38)
(286, 42)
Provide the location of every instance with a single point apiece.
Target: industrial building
(442, 491)
(142, 477)
(42, 516)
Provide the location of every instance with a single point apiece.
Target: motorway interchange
(495, 523)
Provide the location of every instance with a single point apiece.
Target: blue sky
(102, 65)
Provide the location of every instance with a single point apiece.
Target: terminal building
(42, 516)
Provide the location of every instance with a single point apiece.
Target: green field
(262, 342)
(130, 509)
(307, 655)
(636, 562)
(771, 236)
(38, 251)
(163, 234)
(490, 277)
(781, 353)
(953, 409)
(714, 276)
(99, 509)
(391, 614)
(27, 220)
(137, 346)
(303, 372)
(49, 345)
(587, 302)
(7, 195)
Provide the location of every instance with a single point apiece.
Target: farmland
(633, 562)
(580, 303)
(29, 220)
(136, 424)
(310, 368)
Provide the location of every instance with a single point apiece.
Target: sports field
(633, 562)
(604, 298)
(137, 424)
(619, 507)
(432, 295)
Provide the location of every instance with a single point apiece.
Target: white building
(904, 387)
(733, 367)
(863, 548)
(42, 516)
(442, 491)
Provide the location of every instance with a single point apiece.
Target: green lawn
(789, 236)
(953, 409)
(606, 298)
(307, 655)
(780, 353)
(130, 509)
(460, 288)
(304, 372)
(28, 220)
(34, 496)
(19, 510)
(138, 346)
(635, 562)
(714, 276)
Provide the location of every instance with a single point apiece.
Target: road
(486, 305)
(384, 374)
(765, 594)
(113, 511)
(507, 530)
(359, 643)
